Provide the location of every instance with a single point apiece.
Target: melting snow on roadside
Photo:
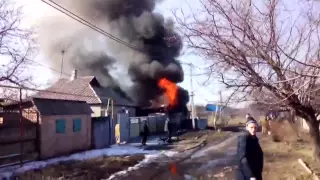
(148, 159)
(115, 150)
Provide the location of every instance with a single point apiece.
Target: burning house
(141, 62)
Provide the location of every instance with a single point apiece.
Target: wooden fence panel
(18, 141)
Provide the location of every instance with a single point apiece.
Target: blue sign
(212, 107)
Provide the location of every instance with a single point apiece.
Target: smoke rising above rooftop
(136, 72)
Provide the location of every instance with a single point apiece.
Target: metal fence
(102, 132)
(155, 123)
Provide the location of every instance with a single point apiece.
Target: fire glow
(170, 89)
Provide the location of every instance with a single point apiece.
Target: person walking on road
(250, 154)
(168, 129)
(145, 133)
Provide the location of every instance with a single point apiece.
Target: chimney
(74, 75)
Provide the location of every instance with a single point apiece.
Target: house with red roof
(88, 89)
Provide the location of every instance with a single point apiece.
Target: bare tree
(263, 46)
(16, 45)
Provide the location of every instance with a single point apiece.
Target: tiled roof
(103, 93)
(61, 107)
(53, 106)
(78, 89)
(83, 89)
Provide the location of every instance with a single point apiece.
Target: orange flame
(173, 168)
(171, 90)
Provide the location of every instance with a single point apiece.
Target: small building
(87, 88)
(63, 126)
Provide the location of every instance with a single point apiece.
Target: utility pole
(220, 105)
(62, 54)
(191, 94)
(21, 127)
(217, 113)
(192, 98)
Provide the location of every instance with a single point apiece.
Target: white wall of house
(99, 111)
(96, 111)
(131, 110)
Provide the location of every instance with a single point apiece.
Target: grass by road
(281, 158)
(94, 169)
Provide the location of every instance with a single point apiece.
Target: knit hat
(251, 121)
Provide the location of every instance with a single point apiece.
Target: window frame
(74, 129)
(64, 122)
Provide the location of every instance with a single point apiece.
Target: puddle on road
(212, 162)
(188, 177)
(231, 151)
(213, 157)
(205, 151)
(223, 161)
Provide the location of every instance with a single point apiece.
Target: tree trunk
(292, 122)
(315, 136)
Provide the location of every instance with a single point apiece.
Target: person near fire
(145, 133)
(250, 154)
(168, 129)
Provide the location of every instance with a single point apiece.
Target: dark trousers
(241, 176)
(144, 139)
(169, 136)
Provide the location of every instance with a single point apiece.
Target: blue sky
(35, 9)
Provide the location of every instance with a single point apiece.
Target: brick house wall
(55, 144)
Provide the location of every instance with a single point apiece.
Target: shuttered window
(60, 126)
(77, 125)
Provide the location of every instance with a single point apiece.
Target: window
(76, 125)
(60, 126)
(1, 120)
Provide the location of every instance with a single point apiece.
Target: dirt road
(195, 154)
(202, 163)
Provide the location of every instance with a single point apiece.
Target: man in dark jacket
(249, 154)
(169, 128)
(145, 133)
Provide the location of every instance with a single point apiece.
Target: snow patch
(148, 159)
(115, 150)
(188, 177)
(153, 140)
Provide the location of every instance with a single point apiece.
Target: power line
(88, 24)
(85, 22)
(49, 91)
(55, 70)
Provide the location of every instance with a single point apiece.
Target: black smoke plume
(136, 71)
